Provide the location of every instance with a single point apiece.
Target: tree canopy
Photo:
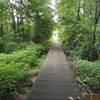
(80, 20)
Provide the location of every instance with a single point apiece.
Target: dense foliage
(89, 73)
(25, 29)
(23, 21)
(79, 28)
(16, 69)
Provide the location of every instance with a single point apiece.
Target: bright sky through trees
(53, 6)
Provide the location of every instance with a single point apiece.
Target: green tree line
(24, 20)
(79, 28)
(80, 22)
(25, 30)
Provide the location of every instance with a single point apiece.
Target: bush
(30, 54)
(15, 70)
(16, 46)
(89, 73)
(13, 78)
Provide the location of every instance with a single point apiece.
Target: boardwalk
(56, 81)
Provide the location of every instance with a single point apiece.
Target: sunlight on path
(55, 37)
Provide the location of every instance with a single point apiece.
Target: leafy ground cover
(89, 73)
(16, 69)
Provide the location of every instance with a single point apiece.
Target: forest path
(56, 80)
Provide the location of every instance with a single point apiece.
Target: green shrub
(89, 73)
(13, 78)
(29, 55)
(45, 47)
(16, 46)
(15, 70)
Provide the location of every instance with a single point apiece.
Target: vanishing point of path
(56, 80)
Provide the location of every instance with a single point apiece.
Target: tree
(79, 20)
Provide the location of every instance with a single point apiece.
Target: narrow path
(56, 81)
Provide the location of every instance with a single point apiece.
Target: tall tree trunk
(22, 24)
(93, 55)
(1, 42)
(13, 17)
(78, 11)
(18, 25)
(21, 20)
(1, 29)
(37, 37)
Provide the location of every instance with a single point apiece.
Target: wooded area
(26, 29)
(81, 25)
(79, 28)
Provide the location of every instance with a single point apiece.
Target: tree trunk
(1, 29)
(93, 54)
(78, 11)
(13, 17)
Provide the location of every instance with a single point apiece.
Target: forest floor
(56, 80)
